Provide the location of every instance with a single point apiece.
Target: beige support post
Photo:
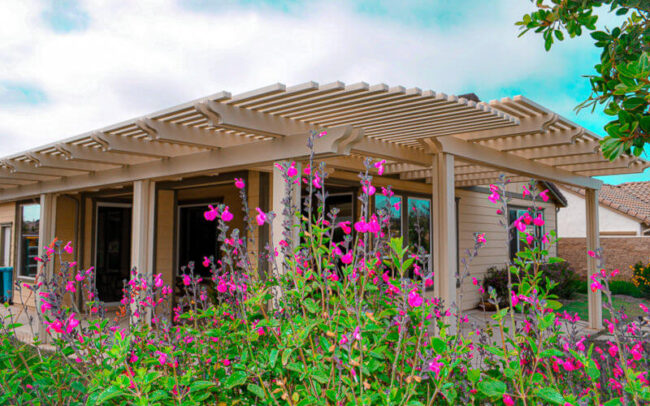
(142, 228)
(278, 191)
(445, 253)
(593, 243)
(46, 230)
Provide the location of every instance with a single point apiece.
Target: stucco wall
(619, 253)
(572, 219)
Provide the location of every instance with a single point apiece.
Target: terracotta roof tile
(631, 198)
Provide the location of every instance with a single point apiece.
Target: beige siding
(477, 214)
(165, 236)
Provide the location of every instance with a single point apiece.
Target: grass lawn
(579, 305)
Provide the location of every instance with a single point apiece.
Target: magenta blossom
(227, 215)
(239, 183)
(544, 195)
(415, 300)
(261, 217)
(211, 214)
(380, 166)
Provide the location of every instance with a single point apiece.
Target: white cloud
(136, 57)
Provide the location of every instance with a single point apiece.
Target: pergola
(426, 137)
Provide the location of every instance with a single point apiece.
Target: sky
(70, 66)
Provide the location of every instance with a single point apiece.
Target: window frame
(179, 206)
(4, 241)
(19, 236)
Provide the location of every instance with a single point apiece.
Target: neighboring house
(133, 193)
(624, 224)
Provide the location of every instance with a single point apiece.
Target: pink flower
(644, 308)
(162, 357)
(538, 221)
(507, 400)
(515, 298)
(386, 191)
(526, 192)
(226, 215)
(369, 190)
(480, 238)
(211, 214)
(316, 182)
(344, 340)
(595, 286)
(291, 170)
(415, 300)
(494, 197)
(68, 247)
(158, 282)
(428, 282)
(187, 280)
(380, 166)
(261, 217)
(435, 365)
(591, 254)
(72, 323)
(544, 195)
(612, 350)
(361, 226)
(321, 134)
(69, 286)
(545, 239)
(345, 226)
(239, 183)
(356, 335)
(529, 239)
(520, 225)
(474, 281)
(347, 258)
(206, 262)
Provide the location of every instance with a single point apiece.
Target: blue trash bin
(6, 283)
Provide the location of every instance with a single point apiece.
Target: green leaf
(285, 355)
(439, 346)
(551, 395)
(600, 36)
(492, 388)
(273, 357)
(200, 385)
(633, 103)
(256, 390)
(237, 378)
(311, 306)
(109, 393)
(473, 375)
(613, 402)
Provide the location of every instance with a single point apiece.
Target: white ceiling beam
(48, 161)
(579, 148)
(197, 137)
(233, 118)
(508, 162)
(142, 147)
(527, 125)
(395, 168)
(90, 154)
(537, 140)
(26, 168)
(337, 142)
(391, 151)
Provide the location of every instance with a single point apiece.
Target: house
(132, 194)
(624, 220)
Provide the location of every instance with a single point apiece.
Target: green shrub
(559, 272)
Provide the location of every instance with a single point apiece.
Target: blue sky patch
(65, 16)
(13, 94)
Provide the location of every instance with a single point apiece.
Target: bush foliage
(334, 323)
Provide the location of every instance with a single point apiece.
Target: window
(30, 215)
(5, 244)
(412, 221)
(197, 238)
(344, 203)
(112, 249)
(516, 244)
(394, 206)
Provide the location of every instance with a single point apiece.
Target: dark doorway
(197, 238)
(113, 250)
